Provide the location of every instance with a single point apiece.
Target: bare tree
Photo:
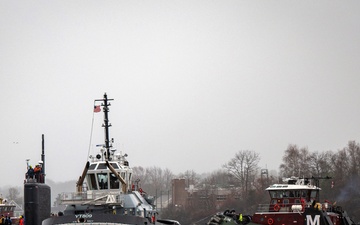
(220, 178)
(139, 173)
(155, 176)
(353, 150)
(295, 162)
(168, 176)
(243, 167)
(320, 163)
(346, 163)
(190, 176)
(341, 166)
(14, 194)
(153, 179)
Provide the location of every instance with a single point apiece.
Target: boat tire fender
(270, 221)
(81, 220)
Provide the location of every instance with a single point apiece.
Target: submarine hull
(37, 199)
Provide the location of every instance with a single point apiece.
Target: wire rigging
(91, 132)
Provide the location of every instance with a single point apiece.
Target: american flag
(97, 108)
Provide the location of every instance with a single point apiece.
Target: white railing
(279, 208)
(114, 197)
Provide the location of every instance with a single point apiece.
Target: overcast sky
(194, 82)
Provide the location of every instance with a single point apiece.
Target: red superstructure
(7, 210)
(296, 202)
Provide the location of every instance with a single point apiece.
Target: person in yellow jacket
(2, 220)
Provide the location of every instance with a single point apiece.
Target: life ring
(276, 208)
(270, 221)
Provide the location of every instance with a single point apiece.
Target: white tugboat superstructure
(105, 193)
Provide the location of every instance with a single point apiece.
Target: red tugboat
(296, 201)
(7, 210)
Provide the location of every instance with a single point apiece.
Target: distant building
(179, 192)
(18, 209)
(183, 196)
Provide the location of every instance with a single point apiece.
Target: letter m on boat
(312, 221)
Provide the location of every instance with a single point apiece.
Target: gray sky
(193, 81)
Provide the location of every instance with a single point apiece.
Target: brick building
(183, 196)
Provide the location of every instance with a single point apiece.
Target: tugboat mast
(106, 124)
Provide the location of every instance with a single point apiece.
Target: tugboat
(296, 201)
(7, 210)
(105, 193)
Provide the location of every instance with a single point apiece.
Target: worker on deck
(30, 173)
(38, 170)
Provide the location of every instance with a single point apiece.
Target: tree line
(342, 167)
(243, 176)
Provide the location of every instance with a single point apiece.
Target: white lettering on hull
(311, 221)
(85, 216)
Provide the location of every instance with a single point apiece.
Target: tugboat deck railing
(91, 196)
(262, 208)
(283, 208)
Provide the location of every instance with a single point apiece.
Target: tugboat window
(114, 165)
(102, 166)
(303, 193)
(92, 167)
(114, 182)
(273, 194)
(103, 180)
(93, 185)
(313, 194)
(297, 194)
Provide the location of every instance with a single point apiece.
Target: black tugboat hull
(105, 192)
(96, 218)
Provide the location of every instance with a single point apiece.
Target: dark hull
(96, 218)
(309, 217)
(37, 202)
